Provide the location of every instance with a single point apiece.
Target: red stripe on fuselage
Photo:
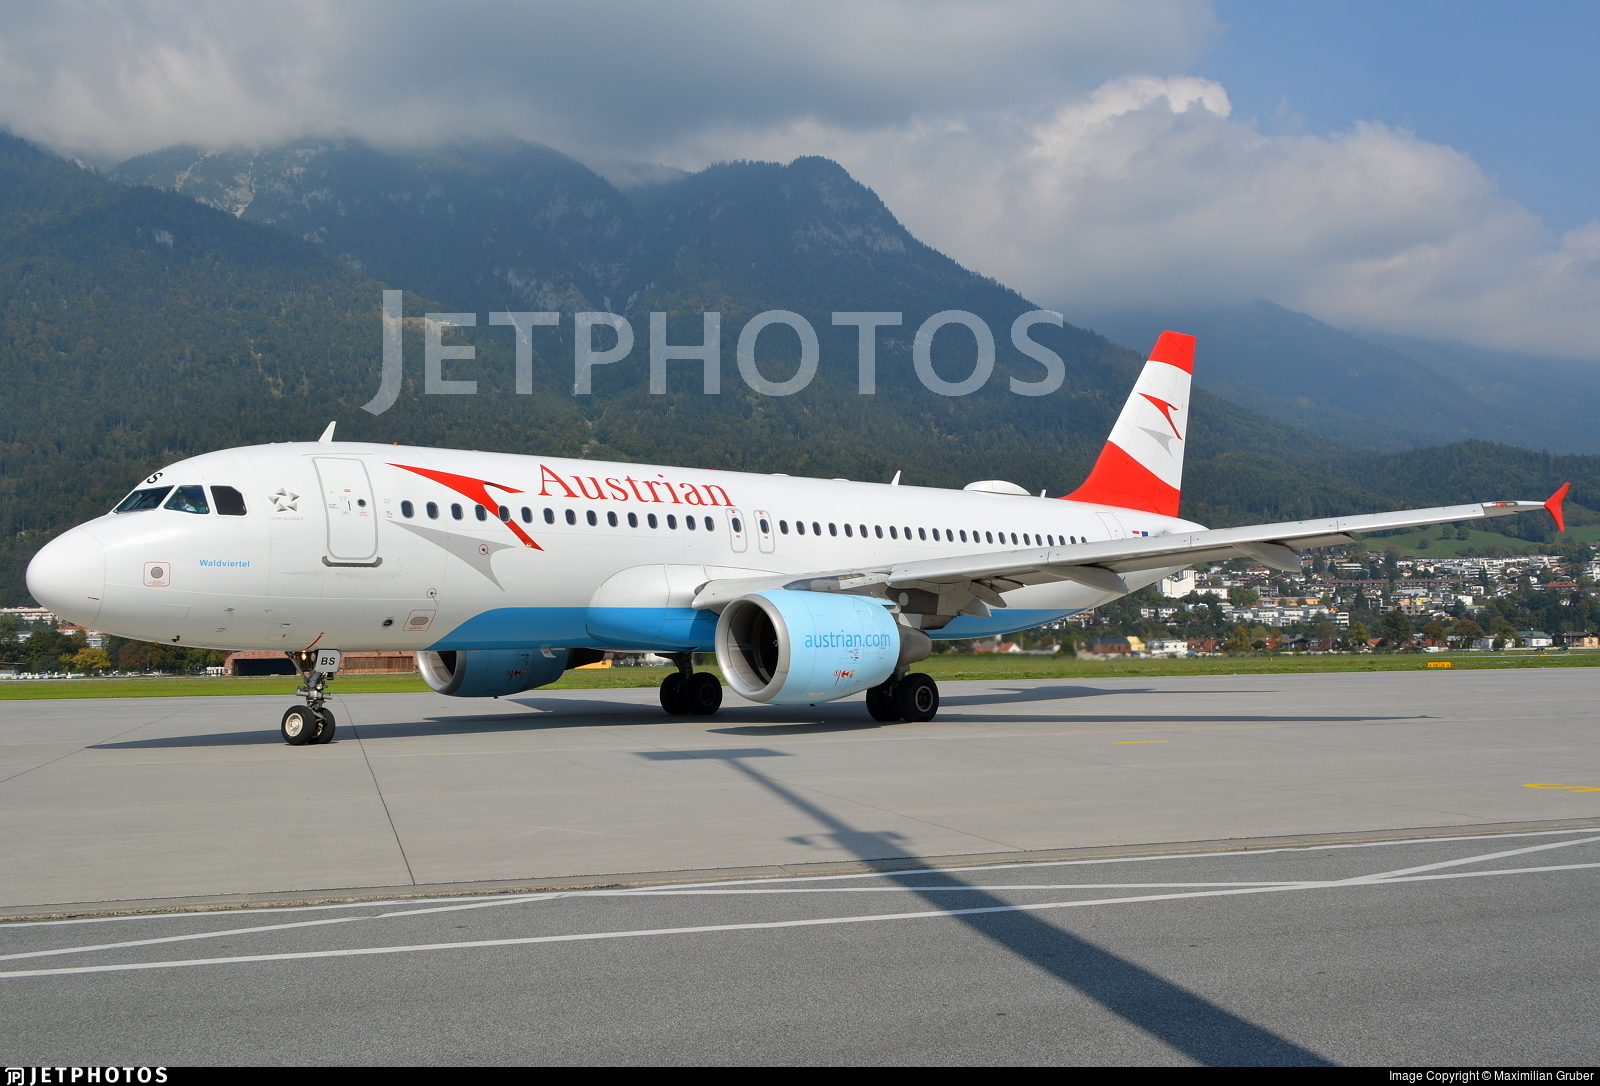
(477, 490)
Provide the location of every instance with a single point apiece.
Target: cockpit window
(188, 499)
(229, 502)
(142, 499)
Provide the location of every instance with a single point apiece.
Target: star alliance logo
(284, 502)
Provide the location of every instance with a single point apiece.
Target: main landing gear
(312, 723)
(687, 692)
(913, 698)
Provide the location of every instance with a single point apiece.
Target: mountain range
(192, 299)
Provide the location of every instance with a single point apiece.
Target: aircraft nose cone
(68, 576)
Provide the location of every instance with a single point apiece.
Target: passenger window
(800, 527)
(783, 526)
(848, 534)
(710, 527)
(920, 533)
(633, 520)
(572, 517)
(863, 531)
(407, 510)
(229, 502)
(989, 536)
(480, 512)
(877, 530)
(1025, 540)
(688, 522)
(591, 518)
(1013, 539)
(188, 499)
(672, 522)
(611, 519)
(527, 515)
(833, 529)
(963, 535)
(455, 510)
(505, 514)
(766, 529)
(650, 519)
(816, 529)
(141, 500)
(894, 533)
(433, 511)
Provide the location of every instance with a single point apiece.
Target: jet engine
(490, 673)
(794, 648)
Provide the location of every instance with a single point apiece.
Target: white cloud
(1148, 194)
(1016, 135)
(602, 76)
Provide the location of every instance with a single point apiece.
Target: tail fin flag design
(1141, 466)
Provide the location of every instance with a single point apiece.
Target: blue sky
(1515, 85)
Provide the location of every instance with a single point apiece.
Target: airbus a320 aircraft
(501, 571)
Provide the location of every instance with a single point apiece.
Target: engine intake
(792, 648)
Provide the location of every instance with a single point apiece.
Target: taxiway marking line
(1386, 875)
(478, 900)
(757, 926)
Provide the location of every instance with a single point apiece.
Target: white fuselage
(363, 547)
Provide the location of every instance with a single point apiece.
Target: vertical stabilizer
(1141, 466)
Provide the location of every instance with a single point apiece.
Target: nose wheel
(313, 723)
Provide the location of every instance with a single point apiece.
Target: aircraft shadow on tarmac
(746, 718)
(1190, 1023)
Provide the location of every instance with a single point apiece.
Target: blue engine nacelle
(794, 648)
(490, 673)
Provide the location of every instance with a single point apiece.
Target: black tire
(916, 697)
(703, 693)
(329, 726)
(299, 726)
(673, 699)
(880, 702)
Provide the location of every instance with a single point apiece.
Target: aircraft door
(737, 531)
(763, 527)
(352, 519)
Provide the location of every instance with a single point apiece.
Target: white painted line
(487, 900)
(180, 938)
(1383, 875)
(757, 926)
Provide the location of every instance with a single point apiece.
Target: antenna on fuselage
(327, 435)
(896, 480)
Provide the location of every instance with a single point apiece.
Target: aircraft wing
(960, 581)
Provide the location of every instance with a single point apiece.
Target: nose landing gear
(312, 723)
(686, 692)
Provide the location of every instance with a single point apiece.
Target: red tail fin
(1141, 466)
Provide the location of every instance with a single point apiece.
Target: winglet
(327, 435)
(1554, 505)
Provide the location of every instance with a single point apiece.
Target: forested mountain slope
(140, 326)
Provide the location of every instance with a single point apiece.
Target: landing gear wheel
(880, 702)
(300, 725)
(673, 698)
(916, 697)
(329, 725)
(703, 693)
